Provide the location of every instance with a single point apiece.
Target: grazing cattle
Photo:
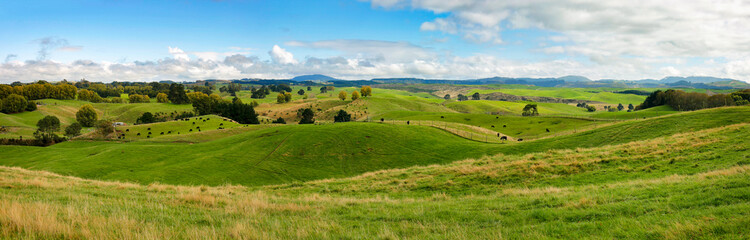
(407, 122)
(204, 120)
(190, 130)
(221, 124)
(497, 117)
(504, 138)
(148, 136)
(493, 126)
(138, 134)
(193, 123)
(162, 133)
(198, 127)
(149, 129)
(442, 116)
(547, 129)
(122, 134)
(169, 132)
(127, 130)
(208, 118)
(520, 139)
(504, 126)
(149, 133)
(200, 118)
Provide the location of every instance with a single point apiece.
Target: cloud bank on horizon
(536, 38)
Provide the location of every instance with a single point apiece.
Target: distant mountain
(693, 79)
(575, 79)
(314, 77)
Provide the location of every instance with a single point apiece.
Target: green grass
(590, 94)
(186, 126)
(687, 186)
(265, 156)
(515, 108)
(647, 113)
(515, 126)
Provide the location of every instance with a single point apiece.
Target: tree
(366, 91)
(280, 98)
(162, 98)
(342, 116)
(73, 130)
(147, 117)
(323, 89)
(288, 96)
(309, 88)
(447, 97)
(105, 127)
(475, 96)
(591, 108)
(177, 94)
(137, 98)
(530, 110)
(14, 103)
(355, 95)
(342, 95)
(630, 107)
(620, 107)
(308, 116)
(87, 116)
(48, 124)
(301, 92)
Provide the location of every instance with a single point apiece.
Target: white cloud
(372, 50)
(280, 55)
(178, 54)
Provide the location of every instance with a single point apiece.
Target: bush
(137, 98)
(530, 110)
(355, 95)
(280, 120)
(87, 116)
(31, 106)
(147, 117)
(591, 108)
(73, 130)
(105, 127)
(342, 116)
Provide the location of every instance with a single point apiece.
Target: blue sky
(187, 40)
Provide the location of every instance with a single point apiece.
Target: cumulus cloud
(371, 49)
(668, 28)
(178, 53)
(280, 55)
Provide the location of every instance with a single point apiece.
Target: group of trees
(342, 116)
(284, 97)
(236, 110)
(684, 101)
(280, 87)
(259, 93)
(232, 88)
(325, 89)
(586, 106)
(39, 90)
(461, 97)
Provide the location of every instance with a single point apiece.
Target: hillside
(690, 186)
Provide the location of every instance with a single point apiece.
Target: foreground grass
(687, 186)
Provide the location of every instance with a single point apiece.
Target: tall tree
(308, 116)
(355, 95)
(48, 124)
(342, 95)
(177, 94)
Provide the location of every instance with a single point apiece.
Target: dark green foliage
(177, 94)
(203, 89)
(475, 96)
(461, 97)
(238, 111)
(14, 103)
(323, 89)
(280, 88)
(147, 117)
(684, 101)
(73, 130)
(48, 124)
(308, 116)
(260, 92)
(620, 107)
(447, 97)
(87, 116)
(105, 127)
(31, 106)
(342, 116)
(530, 110)
(590, 108)
(301, 92)
(279, 120)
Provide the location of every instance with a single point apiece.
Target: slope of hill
(687, 186)
(260, 156)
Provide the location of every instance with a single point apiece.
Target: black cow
(504, 138)
(149, 129)
(193, 123)
(407, 122)
(191, 130)
(127, 130)
(504, 126)
(138, 134)
(149, 133)
(520, 139)
(493, 126)
(162, 133)
(547, 129)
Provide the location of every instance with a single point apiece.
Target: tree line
(689, 101)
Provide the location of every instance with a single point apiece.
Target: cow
(193, 123)
(520, 139)
(504, 126)
(138, 134)
(493, 126)
(162, 133)
(407, 122)
(127, 130)
(547, 129)
(149, 129)
(149, 133)
(504, 138)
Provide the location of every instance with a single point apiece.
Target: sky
(132, 40)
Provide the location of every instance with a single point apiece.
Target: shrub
(48, 124)
(105, 127)
(279, 120)
(162, 98)
(30, 106)
(73, 130)
(14, 103)
(355, 95)
(342, 116)
(308, 116)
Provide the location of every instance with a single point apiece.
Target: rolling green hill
(589, 94)
(260, 156)
(691, 185)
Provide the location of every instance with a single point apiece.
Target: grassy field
(589, 94)
(515, 108)
(258, 156)
(686, 186)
